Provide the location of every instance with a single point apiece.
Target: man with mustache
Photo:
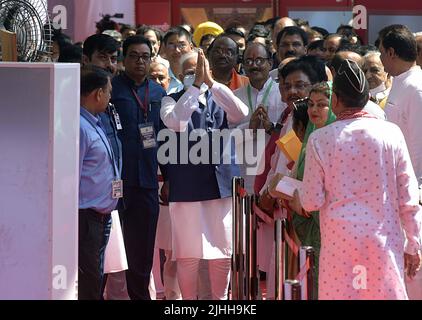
(262, 96)
(101, 50)
(295, 82)
(291, 42)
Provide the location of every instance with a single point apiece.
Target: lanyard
(107, 145)
(264, 99)
(144, 105)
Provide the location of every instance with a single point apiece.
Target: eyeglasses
(174, 46)
(300, 86)
(258, 62)
(136, 57)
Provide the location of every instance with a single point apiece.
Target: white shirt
(274, 74)
(274, 105)
(404, 108)
(175, 84)
(176, 116)
(375, 110)
(209, 235)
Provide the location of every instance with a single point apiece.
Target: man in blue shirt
(100, 185)
(138, 103)
(102, 50)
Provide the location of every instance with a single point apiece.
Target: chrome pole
(280, 253)
(292, 290)
(237, 241)
(251, 250)
(307, 257)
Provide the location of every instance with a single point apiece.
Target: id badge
(117, 120)
(117, 189)
(148, 137)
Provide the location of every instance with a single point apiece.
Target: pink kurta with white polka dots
(358, 174)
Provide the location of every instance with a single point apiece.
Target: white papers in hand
(288, 186)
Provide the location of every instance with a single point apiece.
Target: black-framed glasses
(259, 62)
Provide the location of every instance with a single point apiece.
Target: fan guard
(30, 20)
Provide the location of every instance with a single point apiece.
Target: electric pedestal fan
(25, 30)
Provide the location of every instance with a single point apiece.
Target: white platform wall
(39, 168)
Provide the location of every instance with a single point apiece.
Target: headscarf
(311, 128)
(206, 28)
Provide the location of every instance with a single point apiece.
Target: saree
(307, 229)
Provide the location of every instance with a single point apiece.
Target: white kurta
(201, 229)
(359, 176)
(404, 108)
(275, 107)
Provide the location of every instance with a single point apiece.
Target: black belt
(102, 217)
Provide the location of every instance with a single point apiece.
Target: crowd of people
(355, 108)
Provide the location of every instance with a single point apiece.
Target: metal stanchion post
(251, 251)
(237, 283)
(247, 247)
(306, 262)
(292, 290)
(280, 253)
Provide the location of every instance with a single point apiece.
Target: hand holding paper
(287, 186)
(272, 187)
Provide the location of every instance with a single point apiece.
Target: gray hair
(372, 53)
(188, 56)
(418, 34)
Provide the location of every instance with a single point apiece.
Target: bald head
(280, 25)
(339, 57)
(331, 44)
(350, 55)
(158, 72)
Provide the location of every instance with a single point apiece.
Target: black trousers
(94, 232)
(140, 218)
